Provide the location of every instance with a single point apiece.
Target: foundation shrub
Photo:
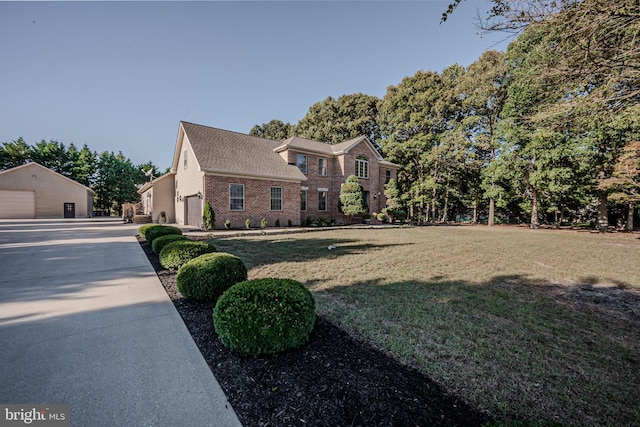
(142, 230)
(176, 254)
(264, 316)
(163, 241)
(208, 276)
(153, 233)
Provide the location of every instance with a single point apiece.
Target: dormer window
(362, 167)
(322, 167)
(301, 162)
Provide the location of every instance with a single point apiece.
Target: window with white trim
(362, 167)
(301, 162)
(236, 197)
(387, 177)
(184, 158)
(303, 200)
(276, 198)
(322, 200)
(322, 167)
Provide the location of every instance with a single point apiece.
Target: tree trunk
(630, 217)
(446, 206)
(492, 211)
(603, 214)
(535, 223)
(475, 212)
(433, 208)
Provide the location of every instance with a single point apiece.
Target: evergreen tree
(208, 217)
(352, 198)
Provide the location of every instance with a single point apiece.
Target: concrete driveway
(85, 321)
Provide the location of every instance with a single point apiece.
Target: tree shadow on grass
(522, 348)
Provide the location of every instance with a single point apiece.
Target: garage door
(17, 204)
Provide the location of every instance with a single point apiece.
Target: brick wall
(257, 201)
(339, 168)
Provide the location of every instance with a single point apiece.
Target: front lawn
(541, 325)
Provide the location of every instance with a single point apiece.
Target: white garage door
(17, 204)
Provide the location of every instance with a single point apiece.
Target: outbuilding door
(17, 204)
(69, 210)
(194, 211)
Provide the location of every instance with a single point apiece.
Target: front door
(194, 211)
(69, 210)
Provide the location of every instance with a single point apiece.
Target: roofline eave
(252, 176)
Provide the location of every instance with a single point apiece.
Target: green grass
(503, 317)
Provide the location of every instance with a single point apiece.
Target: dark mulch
(333, 380)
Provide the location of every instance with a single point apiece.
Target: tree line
(113, 177)
(547, 131)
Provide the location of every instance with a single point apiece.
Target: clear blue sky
(120, 76)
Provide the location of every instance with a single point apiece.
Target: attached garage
(33, 191)
(17, 204)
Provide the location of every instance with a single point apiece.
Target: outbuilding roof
(44, 169)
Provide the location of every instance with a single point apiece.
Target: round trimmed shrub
(143, 229)
(154, 232)
(265, 316)
(162, 241)
(209, 275)
(176, 254)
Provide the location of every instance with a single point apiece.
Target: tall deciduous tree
(483, 91)
(420, 124)
(411, 127)
(624, 183)
(276, 130)
(337, 120)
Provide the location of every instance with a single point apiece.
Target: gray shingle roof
(222, 151)
(297, 143)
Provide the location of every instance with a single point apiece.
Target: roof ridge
(229, 131)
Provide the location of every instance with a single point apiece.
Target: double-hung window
(236, 197)
(301, 161)
(322, 167)
(387, 177)
(303, 199)
(362, 167)
(322, 200)
(276, 198)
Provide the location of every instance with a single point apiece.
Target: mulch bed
(333, 380)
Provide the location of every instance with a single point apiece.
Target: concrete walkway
(85, 321)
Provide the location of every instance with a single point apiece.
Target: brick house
(247, 177)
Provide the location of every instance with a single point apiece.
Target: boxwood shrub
(162, 241)
(265, 316)
(209, 275)
(156, 231)
(175, 254)
(143, 229)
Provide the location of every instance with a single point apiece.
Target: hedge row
(261, 316)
